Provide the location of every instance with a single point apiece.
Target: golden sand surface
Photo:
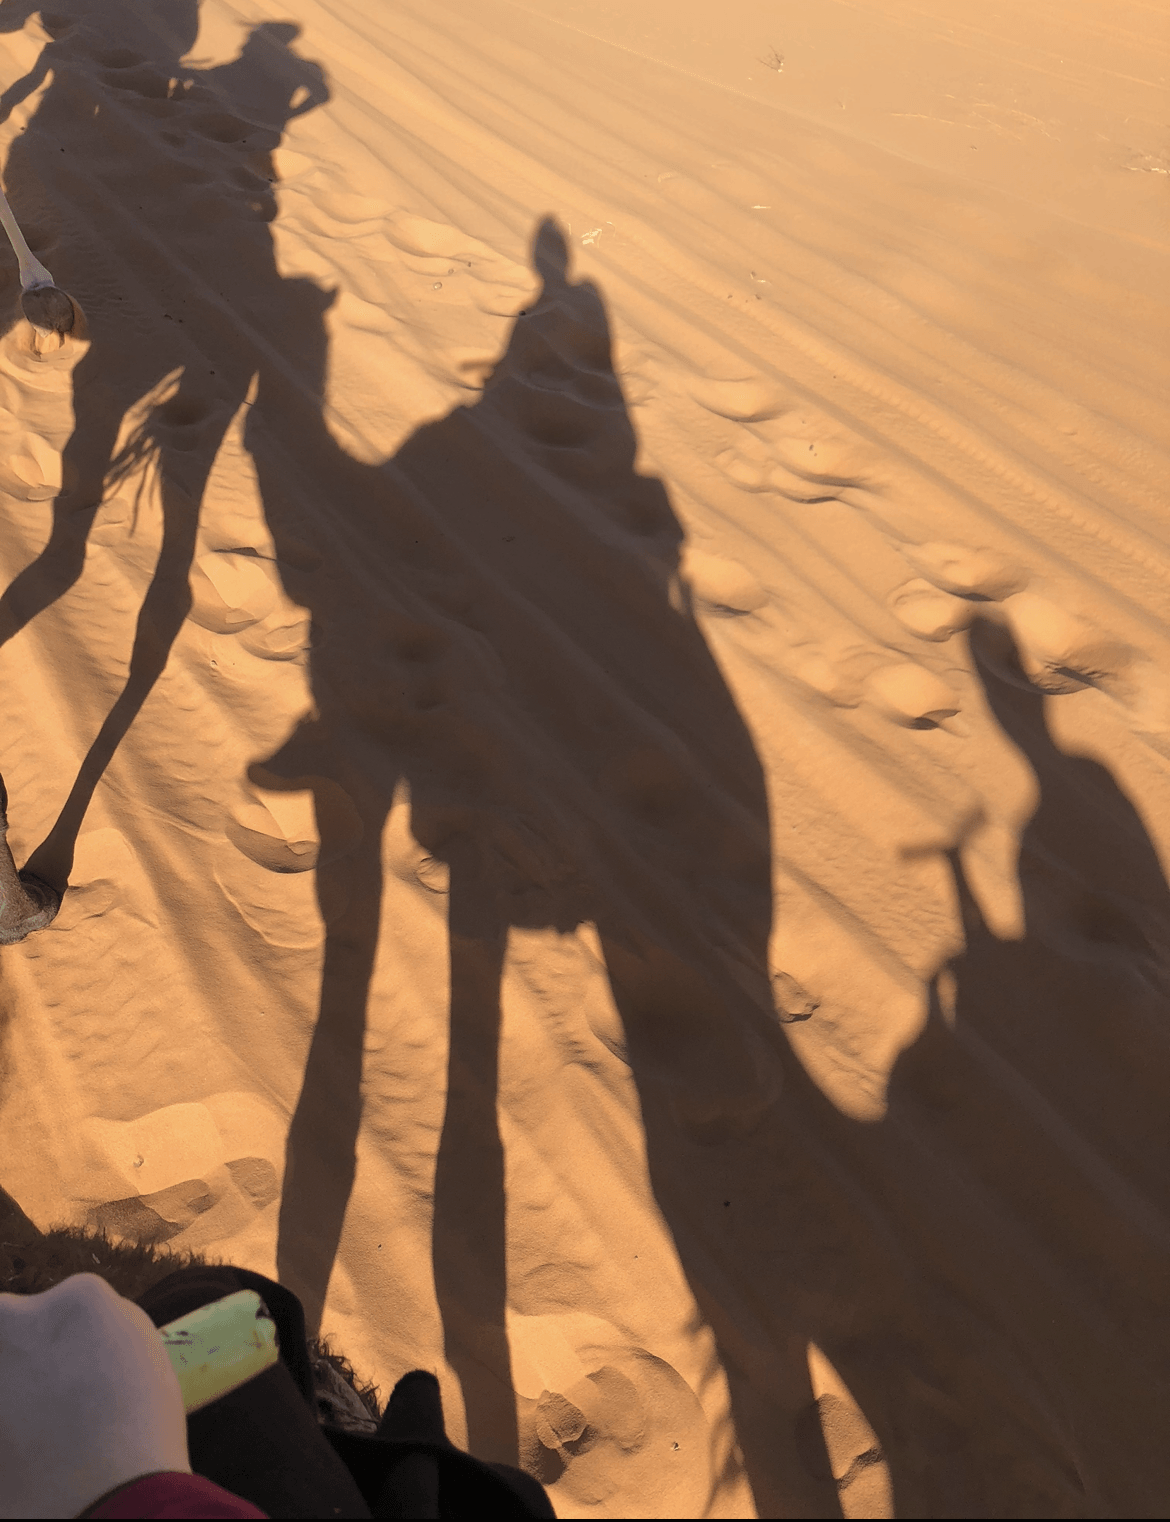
(586, 621)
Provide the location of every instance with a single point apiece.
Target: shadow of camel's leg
(321, 1150)
(164, 608)
(85, 462)
(26, 902)
(469, 1209)
(57, 568)
(59, 565)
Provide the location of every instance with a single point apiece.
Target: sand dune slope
(590, 639)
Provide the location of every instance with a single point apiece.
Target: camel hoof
(49, 309)
(43, 903)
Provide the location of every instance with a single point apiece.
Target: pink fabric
(174, 1495)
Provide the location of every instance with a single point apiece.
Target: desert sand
(585, 620)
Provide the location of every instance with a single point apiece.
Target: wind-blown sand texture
(587, 627)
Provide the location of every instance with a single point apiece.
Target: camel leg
(26, 903)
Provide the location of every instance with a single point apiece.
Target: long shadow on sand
(572, 754)
(498, 624)
(136, 103)
(990, 1277)
(601, 676)
(580, 758)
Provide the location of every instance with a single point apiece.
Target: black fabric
(263, 1441)
(400, 1479)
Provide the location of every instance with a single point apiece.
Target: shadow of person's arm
(970, 914)
(24, 87)
(317, 92)
(971, 919)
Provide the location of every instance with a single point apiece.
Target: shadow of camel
(520, 596)
(991, 1277)
(101, 108)
(618, 680)
(494, 678)
(986, 1266)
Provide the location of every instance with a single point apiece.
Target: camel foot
(37, 912)
(49, 309)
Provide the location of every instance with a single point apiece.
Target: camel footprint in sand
(781, 444)
(201, 1171)
(1045, 644)
(619, 1425)
(1052, 647)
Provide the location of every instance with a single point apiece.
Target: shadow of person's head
(1016, 701)
(268, 83)
(1089, 868)
(267, 37)
(279, 33)
(558, 385)
(550, 254)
